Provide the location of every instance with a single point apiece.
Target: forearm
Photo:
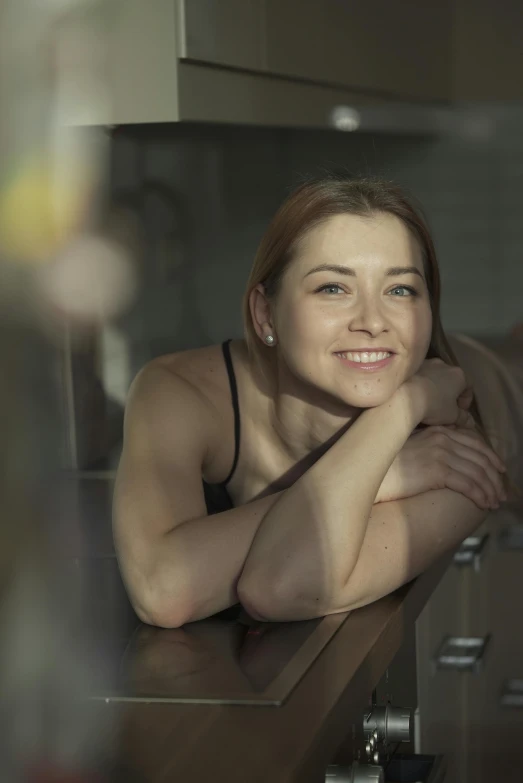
(192, 571)
(309, 542)
(403, 538)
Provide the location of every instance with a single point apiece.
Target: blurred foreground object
(63, 269)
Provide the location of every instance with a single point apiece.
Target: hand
(445, 394)
(453, 457)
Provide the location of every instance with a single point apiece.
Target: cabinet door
(223, 32)
(494, 746)
(441, 693)
(488, 50)
(401, 48)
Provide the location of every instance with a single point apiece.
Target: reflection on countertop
(228, 658)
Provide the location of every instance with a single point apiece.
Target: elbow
(162, 612)
(250, 599)
(278, 602)
(265, 600)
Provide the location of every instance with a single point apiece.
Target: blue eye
(327, 286)
(411, 291)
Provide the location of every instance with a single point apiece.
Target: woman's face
(353, 316)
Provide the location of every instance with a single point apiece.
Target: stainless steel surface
(462, 653)
(512, 694)
(227, 659)
(392, 724)
(356, 773)
(471, 551)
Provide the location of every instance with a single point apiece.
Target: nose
(366, 316)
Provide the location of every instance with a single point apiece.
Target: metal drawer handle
(461, 653)
(511, 537)
(471, 551)
(512, 695)
(356, 773)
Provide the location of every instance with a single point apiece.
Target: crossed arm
(322, 546)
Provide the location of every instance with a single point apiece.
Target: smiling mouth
(365, 357)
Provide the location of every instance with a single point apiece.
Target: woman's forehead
(380, 239)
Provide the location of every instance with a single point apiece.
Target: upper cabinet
(393, 49)
(298, 62)
(224, 32)
(396, 49)
(488, 50)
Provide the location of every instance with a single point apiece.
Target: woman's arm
(309, 542)
(306, 558)
(403, 538)
(178, 563)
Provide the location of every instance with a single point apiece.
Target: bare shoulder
(188, 391)
(172, 383)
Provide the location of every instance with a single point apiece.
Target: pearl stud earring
(269, 339)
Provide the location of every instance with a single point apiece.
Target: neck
(301, 418)
(303, 428)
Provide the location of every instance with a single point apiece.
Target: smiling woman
(359, 459)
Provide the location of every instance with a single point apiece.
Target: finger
(475, 441)
(465, 398)
(464, 419)
(466, 486)
(477, 473)
(480, 459)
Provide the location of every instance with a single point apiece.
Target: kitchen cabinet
(173, 61)
(494, 731)
(292, 62)
(286, 63)
(399, 49)
(488, 50)
(224, 32)
(441, 693)
(462, 713)
(394, 49)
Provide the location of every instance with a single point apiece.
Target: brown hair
(316, 201)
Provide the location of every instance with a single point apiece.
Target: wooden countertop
(194, 743)
(236, 743)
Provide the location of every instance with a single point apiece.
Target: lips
(368, 361)
(365, 357)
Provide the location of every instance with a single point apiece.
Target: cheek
(297, 321)
(417, 327)
(420, 337)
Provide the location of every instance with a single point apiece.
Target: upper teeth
(366, 358)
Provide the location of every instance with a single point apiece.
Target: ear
(261, 312)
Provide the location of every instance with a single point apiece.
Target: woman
(333, 499)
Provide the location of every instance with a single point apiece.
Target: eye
(329, 286)
(410, 291)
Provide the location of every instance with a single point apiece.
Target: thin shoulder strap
(236, 407)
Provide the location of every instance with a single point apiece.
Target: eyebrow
(393, 271)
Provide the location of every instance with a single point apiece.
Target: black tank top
(216, 496)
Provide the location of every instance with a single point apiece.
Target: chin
(370, 398)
